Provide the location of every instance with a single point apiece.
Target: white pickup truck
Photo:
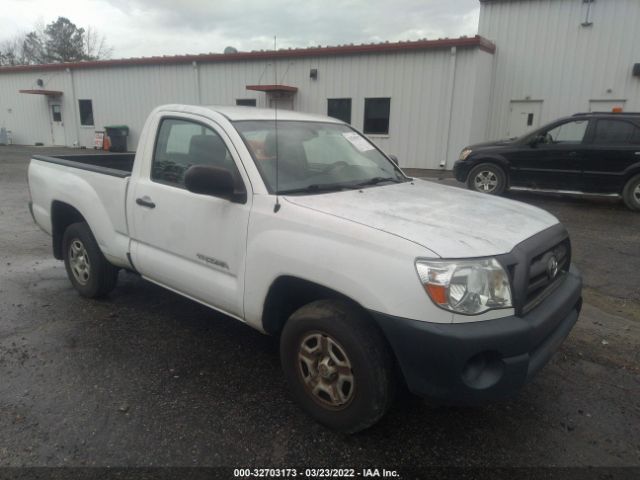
(304, 229)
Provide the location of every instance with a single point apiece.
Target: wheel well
(62, 215)
(493, 161)
(286, 295)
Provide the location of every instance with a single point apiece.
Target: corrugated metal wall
(433, 96)
(545, 53)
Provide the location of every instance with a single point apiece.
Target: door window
(611, 132)
(56, 113)
(567, 133)
(182, 144)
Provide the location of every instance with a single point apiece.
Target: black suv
(588, 152)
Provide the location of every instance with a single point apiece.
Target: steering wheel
(335, 166)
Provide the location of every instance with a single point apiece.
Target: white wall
(423, 87)
(544, 53)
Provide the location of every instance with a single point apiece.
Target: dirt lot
(149, 378)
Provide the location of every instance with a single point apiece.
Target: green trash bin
(117, 137)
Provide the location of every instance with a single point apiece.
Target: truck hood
(449, 221)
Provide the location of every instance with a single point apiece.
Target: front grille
(545, 273)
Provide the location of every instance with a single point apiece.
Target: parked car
(307, 231)
(588, 152)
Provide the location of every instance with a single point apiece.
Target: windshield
(314, 156)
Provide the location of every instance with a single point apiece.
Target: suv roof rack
(606, 113)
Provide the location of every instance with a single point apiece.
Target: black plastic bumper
(475, 362)
(461, 170)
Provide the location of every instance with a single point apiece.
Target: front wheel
(487, 178)
(631, 193)
(337, 365)
(87, 268)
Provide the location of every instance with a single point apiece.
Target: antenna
(276, 207)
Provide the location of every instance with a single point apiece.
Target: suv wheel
(631, 193)
(487, 178)
(337, 365)
(90, 273)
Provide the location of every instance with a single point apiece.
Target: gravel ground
(149, 378)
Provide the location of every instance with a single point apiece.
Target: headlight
(466, 286)
(465, 153)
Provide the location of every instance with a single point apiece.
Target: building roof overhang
(48, 93)
(273, 88)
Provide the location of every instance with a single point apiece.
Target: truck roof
(249, 113)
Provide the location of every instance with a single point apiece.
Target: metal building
(533, 61)
(558, 57)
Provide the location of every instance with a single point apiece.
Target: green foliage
(60, 41)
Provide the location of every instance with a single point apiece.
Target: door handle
(145, 202)
(637, 153)
(573, 154)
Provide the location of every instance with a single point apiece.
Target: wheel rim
(326, 371)
(636, 193)
(79, 262)
(486, 181)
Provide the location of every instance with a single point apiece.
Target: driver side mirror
(213, 181)
(395, 159)
(536, 140)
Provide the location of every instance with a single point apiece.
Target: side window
(610, 132)
(339, 108)
(570, 132)
(181, 144)
(376, 115)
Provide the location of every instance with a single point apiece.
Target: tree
(95, 45)
(64, 42)
(59, 41)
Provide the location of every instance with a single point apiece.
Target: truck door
(191, 243)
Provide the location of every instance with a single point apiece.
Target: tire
(333, 342)
(487, 178)
(631, 193)
(87, 268)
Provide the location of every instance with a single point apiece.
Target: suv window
(569, 132)
(181, 144)
(619, 132)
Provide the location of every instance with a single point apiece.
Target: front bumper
(476, 362)
(461, 170)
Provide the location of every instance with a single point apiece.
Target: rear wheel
(337, 364)
(487, 178)
(87, 268)
(631, 193)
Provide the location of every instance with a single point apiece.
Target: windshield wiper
(317, 187)
(376, 181)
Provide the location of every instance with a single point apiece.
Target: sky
(135, 28)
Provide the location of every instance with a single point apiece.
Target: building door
(524, 116)
(605, 105)
(57, 125)
(284, 102)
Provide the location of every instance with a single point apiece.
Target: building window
(246, 102)
(339, 108)
(86, 112)
(376, 115)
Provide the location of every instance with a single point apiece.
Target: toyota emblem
(552, 267)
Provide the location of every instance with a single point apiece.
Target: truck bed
(115, 164)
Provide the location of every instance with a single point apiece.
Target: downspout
(73, 109)
(196, 76)
(450, 92)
